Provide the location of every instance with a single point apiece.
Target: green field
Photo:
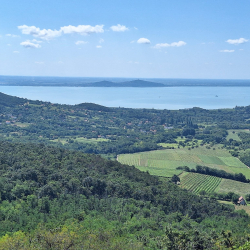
(237, 187)
(233, 134)
(199, 182)
(164, 162)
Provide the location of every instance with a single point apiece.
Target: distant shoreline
(117, 83)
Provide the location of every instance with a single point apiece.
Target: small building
(242, 201)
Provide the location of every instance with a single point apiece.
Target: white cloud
(29, 44)
(16, 52)
(143, 41)
(98, 46)
(174, 44)
(132, 41)
(48, 34)
(36, 41)
(8, 44)
(82, 29)
(237, 41)
(135, 28)
(39, 62)
(118, 28)
(80, 42)
(11, 35)
(101, 40)
(227, 51)
(45, 34)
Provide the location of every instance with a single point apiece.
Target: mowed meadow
(164, 162)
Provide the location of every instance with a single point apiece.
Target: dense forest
(47, 190)
(54, 194)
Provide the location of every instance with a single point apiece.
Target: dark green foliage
(93, 106)
(175, 178)
(49, 185)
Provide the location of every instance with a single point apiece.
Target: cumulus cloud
(237, 41)
(29, 44)
(98, 46)
(227, 51)
(80, 42)
(119, 28)
(48, 34)
(174, 44)
(101, 40)
(143, 41)
(82, 29)
(45, 34)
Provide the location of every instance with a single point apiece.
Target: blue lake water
(158, 98)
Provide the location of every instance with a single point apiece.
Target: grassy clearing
(169, 145)
(92, 140)
(198, 182)
(80, 140)
(246, 208)
(233, 134)
(165, 161)
(22, 125)
(233, 186)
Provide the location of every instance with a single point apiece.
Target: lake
(159, 98)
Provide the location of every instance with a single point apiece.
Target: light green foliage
(198, 182)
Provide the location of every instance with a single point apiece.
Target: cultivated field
(233, 186)
(198, 182)
(164, 162)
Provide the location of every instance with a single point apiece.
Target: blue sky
(142, 38)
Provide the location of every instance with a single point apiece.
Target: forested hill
(78, 196)
(93, 106)
(11, 101)
(8, 100)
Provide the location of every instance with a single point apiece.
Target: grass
(80, 140)
(164, 162)
(246, 208)
(237, 187)
(22, 125)
(233, 134)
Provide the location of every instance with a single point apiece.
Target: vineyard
(198, 182)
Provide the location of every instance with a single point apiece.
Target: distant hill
(142, 83)
(93, 106)
(134, 83)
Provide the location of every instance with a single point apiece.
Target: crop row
(198, 182)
